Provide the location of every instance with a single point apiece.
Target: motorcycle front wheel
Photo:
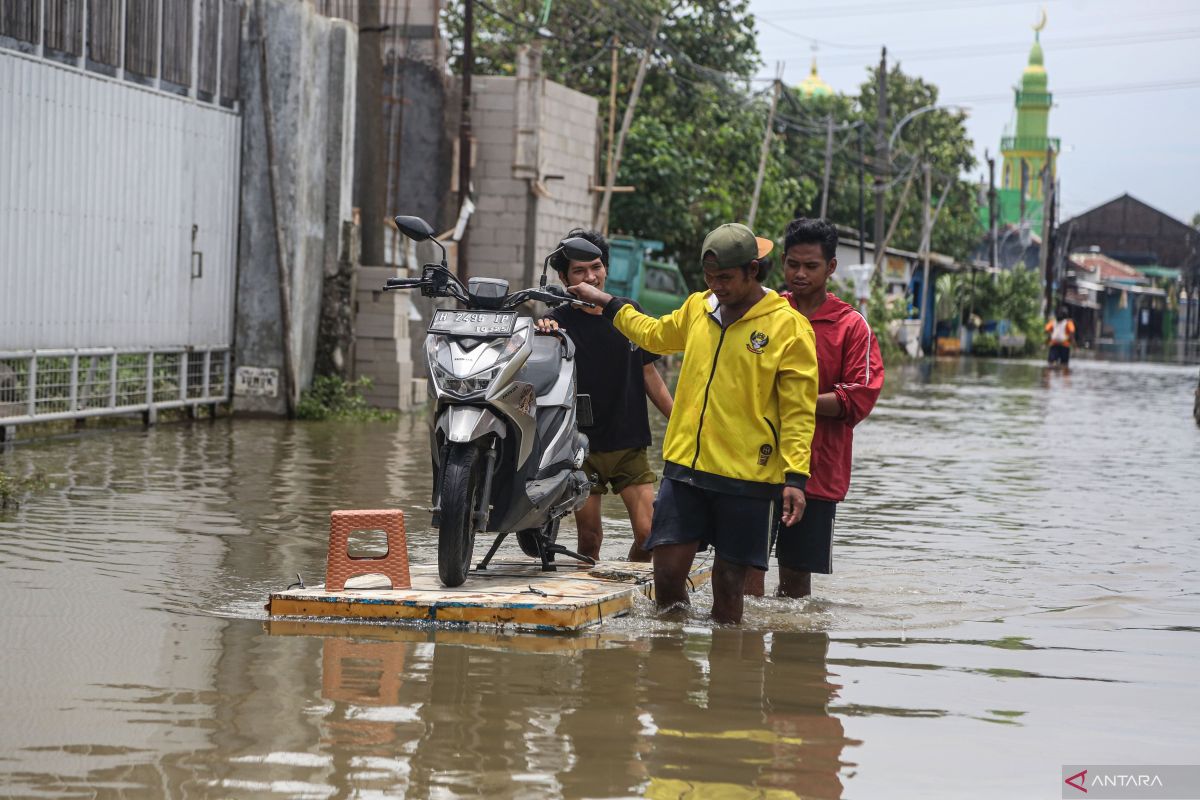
(459, 499)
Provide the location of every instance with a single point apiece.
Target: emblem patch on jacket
(758, 340)
(764, 453)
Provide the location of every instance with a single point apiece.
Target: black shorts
(1060, 354)
(807, 546)
(739, 528)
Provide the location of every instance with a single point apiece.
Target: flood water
(1016, 589)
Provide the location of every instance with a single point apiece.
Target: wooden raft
(517, 595)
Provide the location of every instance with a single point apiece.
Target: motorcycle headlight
(475, 384)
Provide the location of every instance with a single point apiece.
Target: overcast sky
(1125, 78)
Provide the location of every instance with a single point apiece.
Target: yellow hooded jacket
(746, 401)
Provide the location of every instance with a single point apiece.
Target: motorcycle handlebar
(548, 295)
(402, 283)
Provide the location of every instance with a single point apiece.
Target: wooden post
(601, 222)
(766, 145)
(882, 162)
(609, 176)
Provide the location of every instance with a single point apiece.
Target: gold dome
(814, 85)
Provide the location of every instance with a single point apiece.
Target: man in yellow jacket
(737, 445)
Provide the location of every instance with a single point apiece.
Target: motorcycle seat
(542, 367)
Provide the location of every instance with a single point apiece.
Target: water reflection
(704, 713)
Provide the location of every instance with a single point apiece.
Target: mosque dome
(1033, 79)
(814, 85)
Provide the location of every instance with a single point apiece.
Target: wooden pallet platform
(517, 595)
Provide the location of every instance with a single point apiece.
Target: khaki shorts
(620, 468)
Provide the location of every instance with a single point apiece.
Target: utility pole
(828, 164)
(883, 160)
(1047, 249)
(766, 145)
(862, 215)
(464, 130)
(887, 237)
(1024, 190)
(991, 210)
(926, 236)
(609, 177)
(370, 185)
(601, 222)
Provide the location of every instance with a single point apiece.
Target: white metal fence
(47, 385)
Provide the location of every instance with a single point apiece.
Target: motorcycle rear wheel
(460, 498)
(527, 538)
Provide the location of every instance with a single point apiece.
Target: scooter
(507, 451)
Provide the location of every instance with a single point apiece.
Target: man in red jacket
(850, 376)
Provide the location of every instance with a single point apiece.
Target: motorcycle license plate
(473, 323)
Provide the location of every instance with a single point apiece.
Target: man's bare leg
(728, 588)
(794, 583)
(672, 565)
(591, 531)
(756, 580)
(639, 501)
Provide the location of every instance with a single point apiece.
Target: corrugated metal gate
(119, 150)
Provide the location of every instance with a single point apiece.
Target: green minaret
(1025, 151)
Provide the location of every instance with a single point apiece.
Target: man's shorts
(738, 527)
(807, 546)
(1060, 354)
(620, 468)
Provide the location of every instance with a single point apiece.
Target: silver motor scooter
(507, 451)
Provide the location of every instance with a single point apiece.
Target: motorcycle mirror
(416, 228)
(579, 249)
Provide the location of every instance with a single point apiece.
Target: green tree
(938, 137)
(692, 151)
(695, 173)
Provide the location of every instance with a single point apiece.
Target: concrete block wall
(382, 345)
(312, 78)
(566, 146)
(497, 239)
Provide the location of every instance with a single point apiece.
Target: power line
(891, 8)
(815, 40)
(1090, 91)
(1004, 48)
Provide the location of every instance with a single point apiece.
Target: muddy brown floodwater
(1016, 589)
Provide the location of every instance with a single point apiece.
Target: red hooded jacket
(849, 365)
